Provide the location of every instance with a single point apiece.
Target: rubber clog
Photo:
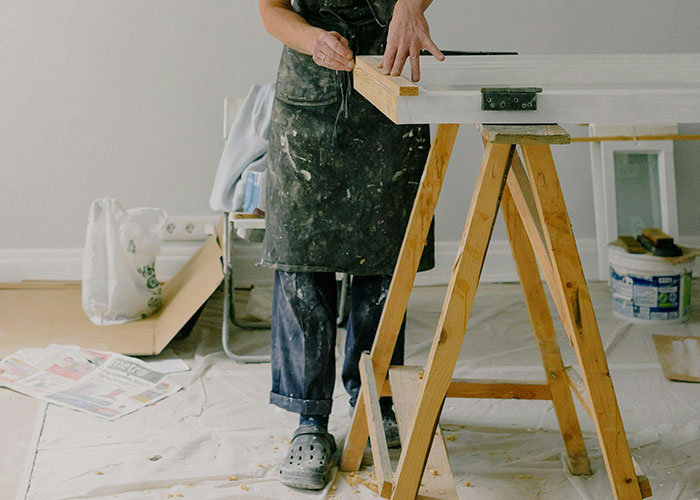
(309, 459)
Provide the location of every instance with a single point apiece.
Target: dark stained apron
(341, 176)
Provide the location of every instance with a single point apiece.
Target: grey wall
(124, 98)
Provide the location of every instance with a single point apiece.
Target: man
(340, 186)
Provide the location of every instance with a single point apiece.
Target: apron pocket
(301, 82)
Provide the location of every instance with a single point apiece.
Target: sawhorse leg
(543, 329)
(579, 314)
(401, 284)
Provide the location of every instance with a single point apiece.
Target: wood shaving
(99, 473)
(179, 495)
(451, 437)
(434, 472)
(354, 479)
(244, 487)
(467, 484)
(233, 478)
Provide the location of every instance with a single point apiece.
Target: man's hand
(331, 50)
(408, 35)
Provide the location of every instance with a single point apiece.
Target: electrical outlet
(188, 228)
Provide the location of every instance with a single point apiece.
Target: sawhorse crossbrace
(534, 211)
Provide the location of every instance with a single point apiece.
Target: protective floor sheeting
(220, 439)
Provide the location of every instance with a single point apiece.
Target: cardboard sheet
(679, 356)
(36, 314)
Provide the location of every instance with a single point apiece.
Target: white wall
(124, 98)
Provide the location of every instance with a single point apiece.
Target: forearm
(287, 26)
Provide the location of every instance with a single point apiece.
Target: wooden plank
(643, 480)
(657, 236)
(576, 383)
(546, 338)
(586, 340)
(405, 383)
(402, 282)
(630, 244)
(498, 389)
(638, 88)
(490, 389)
(525, 134)
(520, 191)
(377, 438)
(454, 317)
(382, 91)
(398, 85)
(559, 70)
(679, 357)
(554, 106)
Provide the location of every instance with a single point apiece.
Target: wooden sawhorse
(534, 212)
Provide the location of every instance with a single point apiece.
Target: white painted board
(613, 88)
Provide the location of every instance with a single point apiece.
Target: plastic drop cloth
(219, 439)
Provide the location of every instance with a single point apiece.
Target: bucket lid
(618, 251)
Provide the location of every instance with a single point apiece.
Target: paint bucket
(649, 289)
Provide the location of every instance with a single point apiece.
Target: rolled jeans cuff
(308, 407)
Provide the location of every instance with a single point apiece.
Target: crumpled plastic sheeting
(220, 439)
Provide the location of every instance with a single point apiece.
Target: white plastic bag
(121, 246)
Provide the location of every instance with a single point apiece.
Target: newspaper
(100, 383)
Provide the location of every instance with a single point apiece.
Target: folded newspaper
(100, 383)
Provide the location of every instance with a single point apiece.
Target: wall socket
(189, 228)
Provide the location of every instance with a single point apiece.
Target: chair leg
(229, 312)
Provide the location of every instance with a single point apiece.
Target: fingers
(331, 60)
(433, 49)
(339, 45)
(388, 59)
(394, 59)
(399, 62)
(331, 50)
(415, 64)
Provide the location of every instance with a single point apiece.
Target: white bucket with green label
(648, 289)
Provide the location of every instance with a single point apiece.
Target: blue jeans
(304, 312)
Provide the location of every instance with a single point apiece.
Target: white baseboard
(66, 263)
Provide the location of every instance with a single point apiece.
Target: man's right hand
(408, 35)
(331, 50)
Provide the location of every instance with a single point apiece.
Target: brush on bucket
(658, 243)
